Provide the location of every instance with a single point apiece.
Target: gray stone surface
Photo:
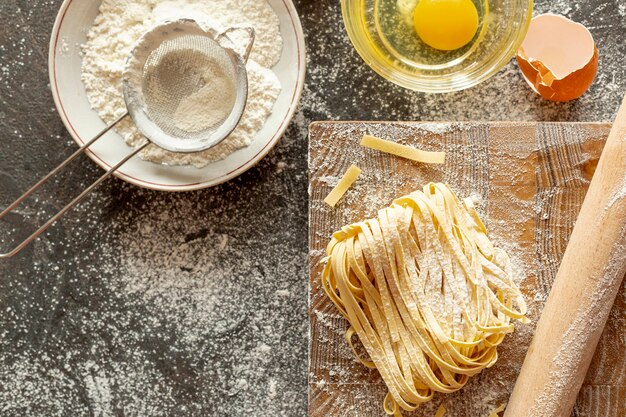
(142, 303)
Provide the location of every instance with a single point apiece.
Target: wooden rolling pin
(583, 292)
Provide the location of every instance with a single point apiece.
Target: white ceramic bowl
(73, 22)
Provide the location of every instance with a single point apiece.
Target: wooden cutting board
(531, 179)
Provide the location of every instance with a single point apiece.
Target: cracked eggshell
(558, 58)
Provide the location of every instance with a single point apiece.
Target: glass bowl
(384, 36)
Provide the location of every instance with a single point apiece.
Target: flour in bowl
(122, 22)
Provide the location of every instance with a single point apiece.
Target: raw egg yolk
(446, 24)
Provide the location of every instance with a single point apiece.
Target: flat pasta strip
(342, 186)
(403, 151)
(425, 291)
(497, 411)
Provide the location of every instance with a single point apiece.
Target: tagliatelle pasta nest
(426, 292)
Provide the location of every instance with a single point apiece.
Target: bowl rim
(404, 80)
(243, 167)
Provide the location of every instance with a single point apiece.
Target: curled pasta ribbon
(426, 292)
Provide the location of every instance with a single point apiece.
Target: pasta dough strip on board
(426, 292)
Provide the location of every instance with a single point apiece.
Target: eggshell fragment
(558, 58)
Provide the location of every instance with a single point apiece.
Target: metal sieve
(170, 63)
(167, 64)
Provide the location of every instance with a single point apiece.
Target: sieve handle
(251, 35)
(76, 200)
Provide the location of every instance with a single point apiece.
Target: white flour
(208, 106)
(121, 23)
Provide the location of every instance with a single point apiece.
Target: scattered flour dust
(121, 23)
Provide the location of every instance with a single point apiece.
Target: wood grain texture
(532, 179)
(582, 294)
